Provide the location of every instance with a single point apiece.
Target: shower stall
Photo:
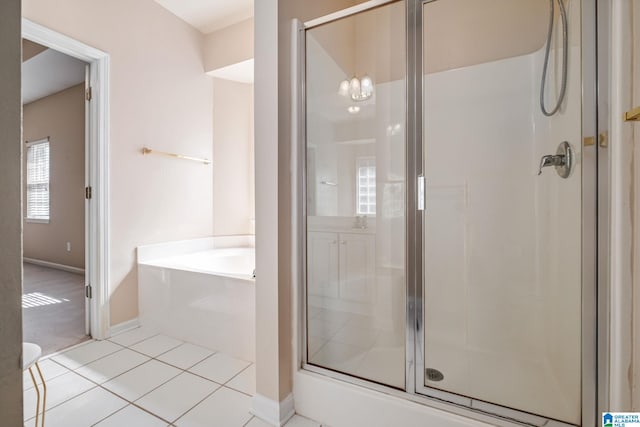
(449, 205)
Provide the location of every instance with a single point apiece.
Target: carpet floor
(53, 308)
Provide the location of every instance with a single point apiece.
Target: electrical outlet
(68, 246)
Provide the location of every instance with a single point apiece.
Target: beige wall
(274, 344)
(10, 218)
(160, 97)
(61, 117)
(31, 49)
(229, 45)
(233, 197)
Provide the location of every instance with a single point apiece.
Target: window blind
(38, 180)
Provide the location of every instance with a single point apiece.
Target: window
(38, 181)
(366, 184)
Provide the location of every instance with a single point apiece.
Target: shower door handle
(421, 192)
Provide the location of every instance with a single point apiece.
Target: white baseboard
(54, 265)
(272, 412)
(123, 327)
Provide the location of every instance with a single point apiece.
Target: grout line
(93, 361)
(88, 363)
(65, 350)
(202, 378)
(132, 403)
(106, 381)
(116, 343)
(199, 402)
(149, 412)
(39, 382)
(158, 355)
(238, 391)
(149, 359)
(128, 403)
(233, 377)
(239, 372)
(64, 401)
(178, 367)
(113, 413)
(133, 343)
(150, 391)
(213, 352)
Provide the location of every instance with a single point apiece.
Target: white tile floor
(142, 379)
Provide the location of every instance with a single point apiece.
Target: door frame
(595, 246)
(97, 240)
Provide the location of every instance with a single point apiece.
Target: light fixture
(357, 89)
(353, 109)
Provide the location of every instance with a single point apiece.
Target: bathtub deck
(142, 379)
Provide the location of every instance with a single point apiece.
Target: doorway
(96, 171)
(54, 170)
(448, 204)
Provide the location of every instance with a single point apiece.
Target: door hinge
(88, 192)
(88, 94)
(88, 291)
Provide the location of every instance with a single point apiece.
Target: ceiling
(241, 72)
(49, 72)
(209, 15)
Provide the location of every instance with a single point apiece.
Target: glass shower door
(355, 186)
(501, 243)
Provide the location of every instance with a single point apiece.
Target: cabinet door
(322, 265)
(357, 267)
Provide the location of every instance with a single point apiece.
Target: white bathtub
(201, 291)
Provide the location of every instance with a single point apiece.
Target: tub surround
(197, 290)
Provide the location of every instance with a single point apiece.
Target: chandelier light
(357, 89)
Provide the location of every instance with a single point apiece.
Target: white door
(87, 217)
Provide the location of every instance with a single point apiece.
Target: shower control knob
(563, 160)
(551, 160)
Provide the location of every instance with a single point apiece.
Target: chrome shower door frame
(594, 231)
